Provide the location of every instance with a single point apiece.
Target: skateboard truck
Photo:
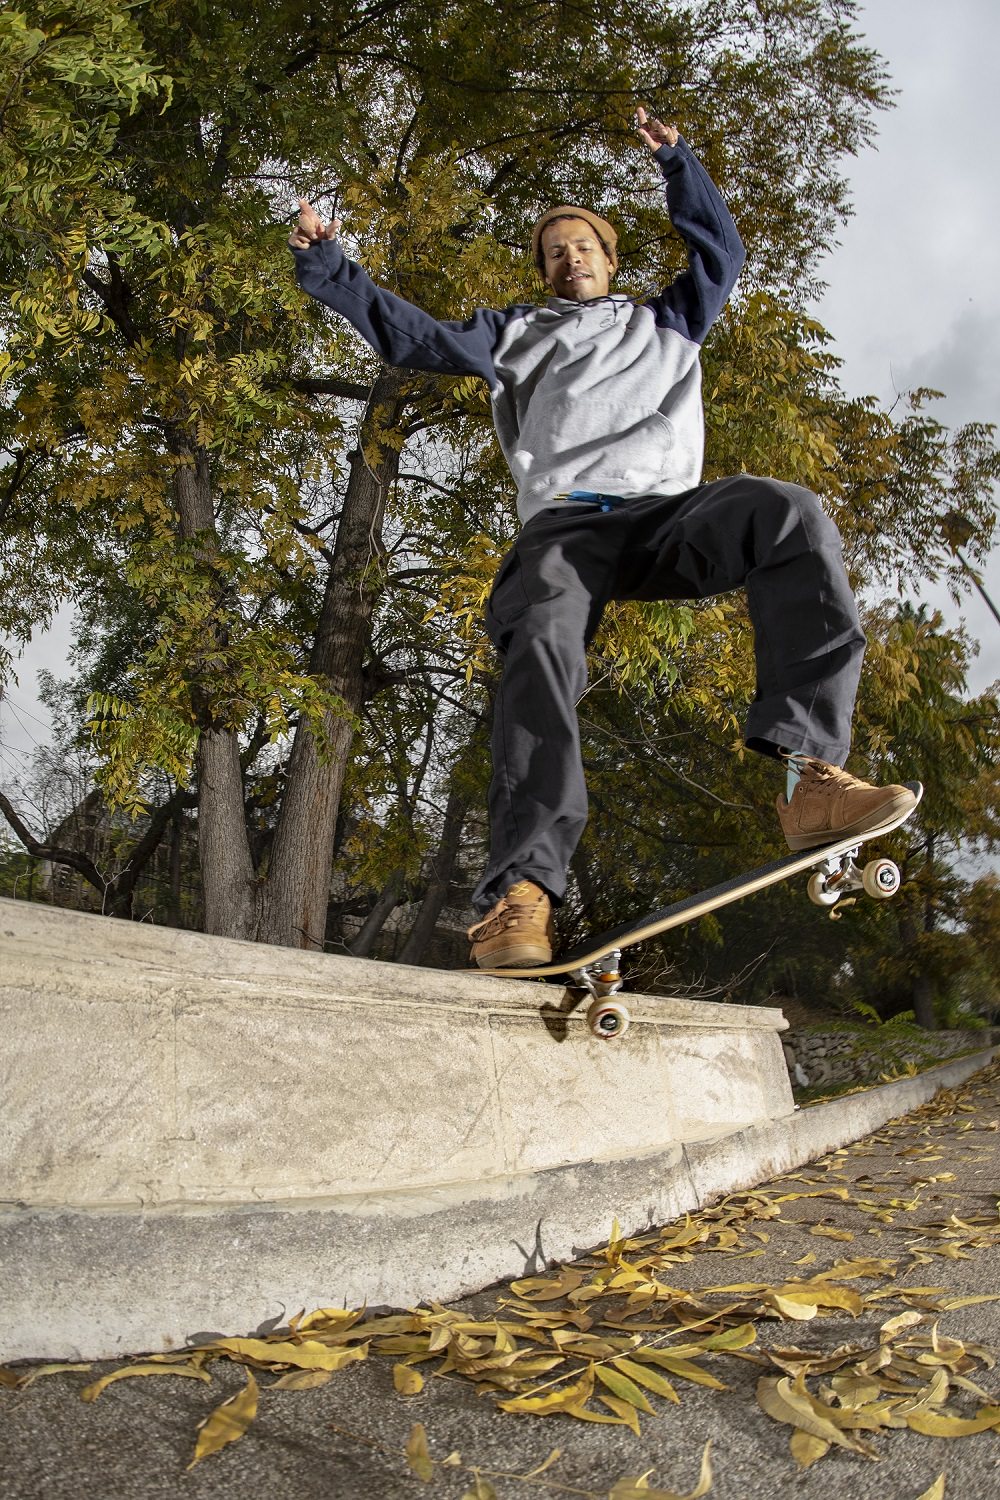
(602, 976)
(834, 877)
(606, 1018)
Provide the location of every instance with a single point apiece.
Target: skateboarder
(597, 406)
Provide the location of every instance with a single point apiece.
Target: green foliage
(182, 424)
(895, 1046)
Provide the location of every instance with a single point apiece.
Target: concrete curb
(95, 1285)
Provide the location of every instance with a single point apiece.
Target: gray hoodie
(603, 396)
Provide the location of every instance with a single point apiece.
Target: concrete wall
(198, 1134)
(864, 1053)
(147, 1067)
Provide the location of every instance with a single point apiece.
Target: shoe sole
(885, 814)
(525, 956)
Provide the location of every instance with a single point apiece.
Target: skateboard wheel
(608, 1019)
(881, 878)
(820, 893)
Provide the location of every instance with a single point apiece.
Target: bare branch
(57, 856)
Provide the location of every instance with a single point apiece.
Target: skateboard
(594, 966)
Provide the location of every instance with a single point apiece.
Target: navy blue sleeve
(692, 302)
(401, 333)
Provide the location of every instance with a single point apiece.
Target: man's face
(576, 265)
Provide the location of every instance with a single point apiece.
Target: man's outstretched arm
(400, 332)
(693, 301)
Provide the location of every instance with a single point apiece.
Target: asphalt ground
(888, 1237)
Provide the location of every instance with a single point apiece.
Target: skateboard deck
(593, 965)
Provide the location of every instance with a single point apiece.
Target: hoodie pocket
(641, 455)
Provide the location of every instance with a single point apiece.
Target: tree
(171, 429)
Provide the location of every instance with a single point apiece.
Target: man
(597, 405)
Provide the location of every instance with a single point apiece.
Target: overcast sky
(914, 285)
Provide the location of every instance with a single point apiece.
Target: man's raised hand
(310, 229)
(654, 132)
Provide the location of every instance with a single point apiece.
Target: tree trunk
(442, 871)
(227, 872)
(174, 869)
(297, 891)
(923, 1002)
(229, 883)
(389, 898)
(923, 986)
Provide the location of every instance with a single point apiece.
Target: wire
(21, 709)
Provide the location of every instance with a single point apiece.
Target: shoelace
(837, 776)
(820, 771)
(502, 920)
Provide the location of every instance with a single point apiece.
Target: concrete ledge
(199, 1134)
(149, 1068)
(96, 1286)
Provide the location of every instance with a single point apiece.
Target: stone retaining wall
(861, 1054)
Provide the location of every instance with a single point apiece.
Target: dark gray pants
(774, 539)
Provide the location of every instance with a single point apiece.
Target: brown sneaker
(828, 804)
(515, 933)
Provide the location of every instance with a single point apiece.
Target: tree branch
(57, 856)
(348, 389)
(20, 464)
(125, 883)
(115, 297)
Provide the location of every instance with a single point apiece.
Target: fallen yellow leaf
(407, 1381)
(309, 1355)
(683, 1369)
(639, 1488)
(623, 1410)
(227, 1422)
(897, 1324)
(542, 1403)
(621, 1386)
(329, 1320)
(301, 1380)
(806, 1449)
(932, 1424)
(789, 1307)
(481, 1490)
(545, 1288)
(787, 1403)
(658, 1384)
(92, 1391)
(820, 1293)
(418, 1454)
